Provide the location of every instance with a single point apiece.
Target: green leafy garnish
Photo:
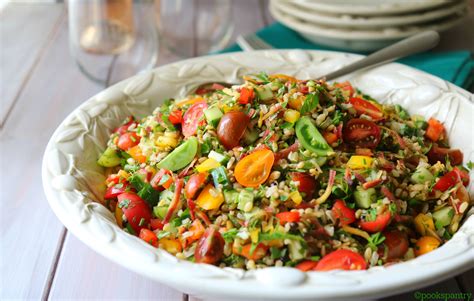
(310, 103)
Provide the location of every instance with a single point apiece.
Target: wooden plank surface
(22, 44)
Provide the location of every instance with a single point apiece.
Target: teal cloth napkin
(456, 67)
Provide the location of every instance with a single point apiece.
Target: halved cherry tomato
(195, 183)
(306, 183)
(176, 117)
(365, 107)
(435, 130)
(210, 198)
(124, 128)
(255, 168)
(210, 248)
(208, 88)
(149, 236)
(463, 174)
(128, 140)
(306, 265)
(258, 253)
(447, 181)
(380, 222)
(136, 153)
(345, 86)
(162, 179)
(232, 128)
(341, 260)
(396, 243)
(344, 214)
(246, 95)
(436, 153)
(197, 230)
(114, 191)
(288, 217)
(425, 245)
(156, 224)
(362, 133)
(193, 118)
(136, 211)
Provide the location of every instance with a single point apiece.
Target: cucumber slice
(231, 196)
(218, 157)
(264, 93)
(443, 216)
(421, 176)
(109, 158)
(245, 200)
(297, 252)
(160, 211)
(364, 198)
(180, 156)
(213, 115)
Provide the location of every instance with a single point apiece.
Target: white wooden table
(40, 85)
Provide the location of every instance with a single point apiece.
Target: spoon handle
(411, 45)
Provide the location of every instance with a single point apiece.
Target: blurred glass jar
(194, 27)
(111, 40)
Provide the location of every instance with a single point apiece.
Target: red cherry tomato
(361, 133)
(208, 88)
(246, 95)
(288, 217)
(136, 211)
(463, 174)
(341, 260)
(193, 118)
(124, 128)
(162, 179)
(447, 181)
(377, 225)
(306, 183)
(176, 117)
(345, 86)
(437, 153)
(195, 183)
(113, 191)
(156, 224)
(210, 248)
(149, 236)
(367, 108)
(344, 214)
(231, 128)
(396, 243)
(128, 140)
(306, 265)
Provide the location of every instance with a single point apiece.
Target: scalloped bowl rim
(94, 225)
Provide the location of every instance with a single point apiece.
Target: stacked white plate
(365, 25)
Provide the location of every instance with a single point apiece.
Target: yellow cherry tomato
(425, 245)
(210, 198)
(424, 222)
(207, 165)
(291, 116)
(171, 245)
(118, 216)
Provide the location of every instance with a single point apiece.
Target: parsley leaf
(375, 240)
(310, 103)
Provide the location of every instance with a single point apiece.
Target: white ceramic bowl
(358, 39)
(370, 22)
(73, 182)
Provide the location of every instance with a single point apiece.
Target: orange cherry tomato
(425, 245)
(306, 265)
(136, 153)
(341, 260)
(255, 168)
(435, 130)
(149, 236)
(258, 253)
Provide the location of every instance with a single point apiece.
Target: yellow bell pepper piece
(295, 196)
(291, 116)
(254, 235)
(189, 101)
(207, 165)
(118, 216)
(210, 198)
(360, 162)
(173, 246)
(423, 224)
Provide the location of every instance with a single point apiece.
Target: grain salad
(286, 172)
